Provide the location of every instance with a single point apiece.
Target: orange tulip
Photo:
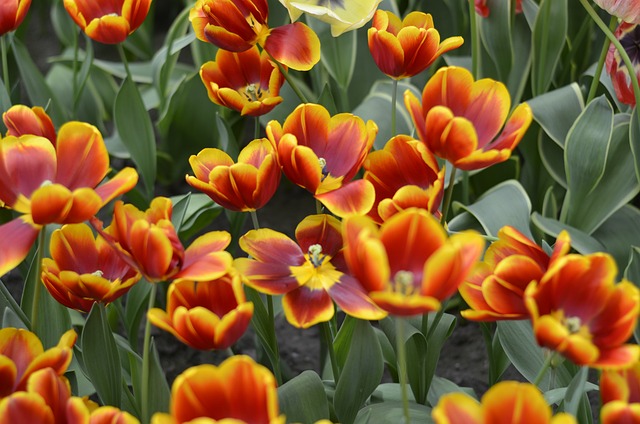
(311, 273)
(508, 402)
(459, 119)
(48, 184)
(12, 13)
(22, 354)
(322, 154)
(84, 269)
(247, 82)
(404, 174)
(205, 315)
(238, 391)
(22, 120)
(578, 311)
(621, 385)
(409, 265)
(495, 288)
(618, 412)
(404, 48)
(108, 21)
(147, 241)
(237, 25)
(244, 186)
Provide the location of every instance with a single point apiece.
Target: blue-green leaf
(557, 110)
(302, 399)
(549, 32)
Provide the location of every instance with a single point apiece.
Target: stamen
(403, 282)
(573, 324)
(97, 273)
(315, 255)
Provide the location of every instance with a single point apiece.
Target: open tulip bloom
(342, 15)
(12, 13)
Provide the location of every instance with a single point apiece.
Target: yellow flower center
(315, 255)
(317, 273)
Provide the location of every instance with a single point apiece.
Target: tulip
(247, 82)
(621, 385)
(322, 154)
(12, 13)
(108, 21)
(404, 48)
(238, 25)
(508, 402)
(84, 269)
(409, 265)
(237, 391)
(459, 119)
(404, 174)
(495, 289)
(342, 15)
(627, 10)
(22, 120)
(244, 186)
(311, 273)
(629, 36)
(205, 315)
(577, 310)
(54, 184)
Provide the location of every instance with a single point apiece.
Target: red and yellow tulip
(12, 14)
(409, 265)
(404, 48)
(629, 37)
(508, 402)
(147, 241)
(459, 119)
(322, 153)
(311, 273)
(84, 269)
(482, 8)
(404, 174)
(342, 15)
(23, 120)
(248, 82)
(205, 315)
(237, 25)
(577, 310)
(54, 184)
(22, 354)
(495, 289)
(238, 391)
(244, 186)
(108, 21)
(620, 385)
(626, 10)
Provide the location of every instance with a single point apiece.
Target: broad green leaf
(441, 386)
(11, 319)
(490, 212)
(8, 302)
(552, 157)
(260, 324)
(342, 341)
(39, 92)
(5, 103)
(377, 107)
(180, 205)
(226, 140)
(159, 393)
(135, 307)
(302, 399)
(338, 54)
(62, 24)
(634, 140)
(557, 110)
(100, 354)
(83, 73)
(530, 11)
(437, 337)
(549, 32)
(495, 32)
(361, 373)
(580, 241)
(619, 233)
(392, 412)
(521, 59)
(136, 132)
(575, 391)
(632, 273)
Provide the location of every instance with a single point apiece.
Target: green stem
(543, 370)
(274, 342)
(618, 46)
(318, 207)
(146, 357)
(290, 80)
(256, 128)
(402, 367)
(125, 62)
(38, 266)
(603, 55)
(254, 220)
(394, 96)
(327, 336)
(475, 45)
(5, 64)
(448, 195)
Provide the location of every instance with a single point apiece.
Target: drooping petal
(353, 300)
(306, 307)
(354, 198)
(121, 183)
(205, 258)
(23, 233)
(294, 45)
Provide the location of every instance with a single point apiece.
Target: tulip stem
(5, 65)
(37, 266)
(327, 335)
(543, 370)
(256, 129)
(475, 45)
(146, 359)
(401, 352)
(448, 195)
(618, 46)
(285, 74)
(274, 342)
(254, 220)
(600, 65)
(123, 57)
(394, 97)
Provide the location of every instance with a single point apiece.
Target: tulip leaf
(180, 205)
(441, 386)
(135, 307)
(8, 302)
(34, 83)
(303, 399)
(552, 157)
(337, 54)
(83, 74)
(260, 323)
(632, 273)
(557, 110)
(361, 373)
(619, 233)
(549, 32)
(438, 335)
(495, 32)
(136, 132)
(517, 82)
(100, 354)
(580, 241)
(491, 216)
(392, 412)
(634, 139)
(62, 24)
(575, 391)
(11, 319)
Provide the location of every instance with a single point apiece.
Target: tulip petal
(457, 408)
(83, 160)
(321, 229)
(353, 198)
(269, 246)
(353, 300)
(108, 29)
(306, 307)
(122, 182)
(23, 407)
(23, 233)
(205, 258)
(294, 45)
(267, 277)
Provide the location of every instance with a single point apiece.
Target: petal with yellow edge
(23, 233)
(55, 203)
(269, 246)
(617, 412)
(83, 160)
(112, 415)
(23, 120)
(305, 307)
(353, 198)
(267, 277)
(515, 402)
(457, 408)
(122, 182)
(353, 300)
(294, 45)
(23, 407)
(54, 389)
(108, 29)
(8, 375)
(205, 258)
